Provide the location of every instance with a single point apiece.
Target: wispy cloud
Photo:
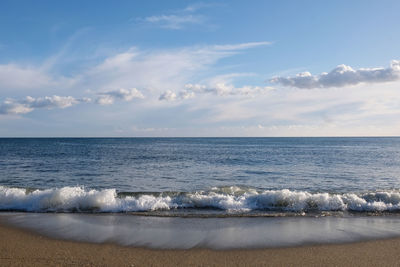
(136, 72)
(200, 5)
(158, 71)
(178, 19)
(174, 22)
(341, 76)
(20, 77)
(241, 46)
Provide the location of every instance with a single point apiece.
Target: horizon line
(93, 137)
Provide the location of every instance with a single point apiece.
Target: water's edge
(212, 233)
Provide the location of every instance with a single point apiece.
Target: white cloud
(218, 89)
(171, 96)
(341, 76)
(109, 97)
(105, 100)
(220, 85)
(11, 106)
(168, 96)
(223, 89)
(51, 101)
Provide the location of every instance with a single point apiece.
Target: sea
(218, 193)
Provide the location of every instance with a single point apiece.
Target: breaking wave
(229, 199)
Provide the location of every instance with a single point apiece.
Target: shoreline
(209, 233)
(20, 247)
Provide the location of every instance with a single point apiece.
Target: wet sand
(23, 248)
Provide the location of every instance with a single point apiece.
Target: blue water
(242, 174)
(188, 164)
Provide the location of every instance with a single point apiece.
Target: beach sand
(23, 248)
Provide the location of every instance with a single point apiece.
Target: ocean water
(344, 189)
(221, 175)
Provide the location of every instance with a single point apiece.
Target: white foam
(79, 199)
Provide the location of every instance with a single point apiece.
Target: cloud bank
(341, 76)
(15, 107)
(11, 106)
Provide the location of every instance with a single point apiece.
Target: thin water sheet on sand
(214, 233)
(23, 248)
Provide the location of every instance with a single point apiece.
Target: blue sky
(190, 68)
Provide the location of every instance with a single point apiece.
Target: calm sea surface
(189, 164)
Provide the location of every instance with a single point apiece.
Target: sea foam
(230, 199)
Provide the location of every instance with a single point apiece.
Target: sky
(199, 68)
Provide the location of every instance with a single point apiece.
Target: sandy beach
(23, 248)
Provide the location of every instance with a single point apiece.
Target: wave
(229, 199)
